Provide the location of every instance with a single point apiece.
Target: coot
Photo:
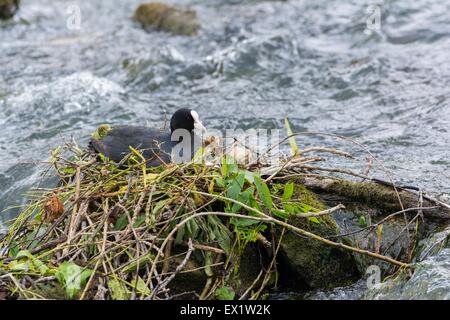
(157, 146)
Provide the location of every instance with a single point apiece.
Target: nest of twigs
(110, 232)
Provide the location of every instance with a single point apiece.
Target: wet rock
(435, 243)
(354, 291)
(368, 204)
(312, 263)
(379, 195)
(431, 280)
(309, 263)
(8, 8)
(394, 239)
(161, 17)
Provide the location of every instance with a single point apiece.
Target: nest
(126, 231)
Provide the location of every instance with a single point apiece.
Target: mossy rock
(8, 8)
(381, 196)
(306, 263)
(161, 17)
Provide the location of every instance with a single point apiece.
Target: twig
(180, 267)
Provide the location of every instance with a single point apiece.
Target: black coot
(156, 145)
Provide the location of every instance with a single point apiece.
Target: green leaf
(41, 267)
(218, 231)
(142, 287)
(288, 191)
(68, 170)
(294, 148)
(281, 214)
(242, 222)
(142, 261)
(193, 228)
(24, 254)
(119, 290)
(220, 181)
(245, 197)
(314, 219)
(139, 221)
(224, 167)
(362, 221)
(208, 262)
(16, 265)
(305, 208)
(225, 293)
(158, 206)
(235, 187)
(13, 249)
(199, 156)
(121, 222)
(263, 192)
(180, 235)
(25, 262)
(229, 166)
(72, 278)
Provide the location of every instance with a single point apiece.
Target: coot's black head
(186, 119)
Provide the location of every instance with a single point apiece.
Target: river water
(325, 64)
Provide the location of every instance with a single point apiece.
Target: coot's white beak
(198, 126)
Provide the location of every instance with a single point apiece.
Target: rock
(310, 263)
(390, 240)
(379, 195)
(431, 276)
(307, 263)
(367, 203)
(8, 8)
(430, 281)
(161, 17)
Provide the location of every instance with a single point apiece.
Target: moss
(161, 17)
(8, 8)
(101, 132)
(372, 194)
(313, 263)
(306, 262)
(302, 194)
(369, 193)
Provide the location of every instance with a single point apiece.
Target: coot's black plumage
(156, 145)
